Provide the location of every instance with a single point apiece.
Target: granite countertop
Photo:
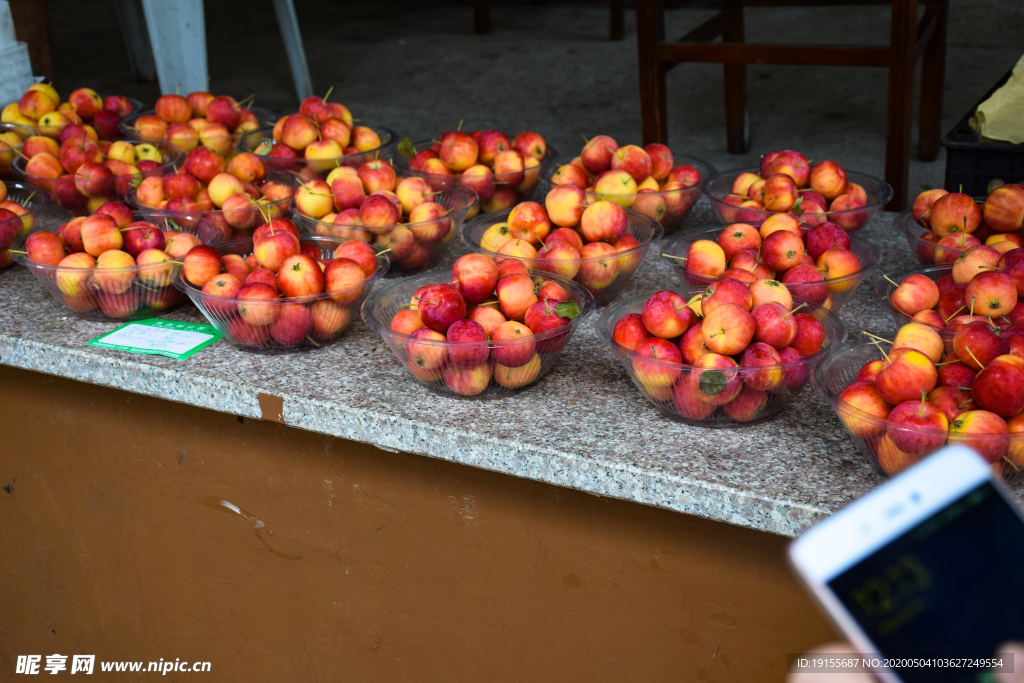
(584, 425)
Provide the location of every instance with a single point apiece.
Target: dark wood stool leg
(481, 16)
(616, 19)
(735, 83)
(650, 30)
(933, 76)
(901, 86)
(32, 26)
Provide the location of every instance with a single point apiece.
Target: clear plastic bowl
(308, 170)
(1005, 452)
(147, 290)
(645, 229)
(7, 158)
(327, 314)
(839, 289)
(111, 130)
(231, 224)
(35, 202)
(883, 294)
(491, 379)
(878, 191)
(264, 116)
(674, 205)
(459, 201)
(67, 196)
(649, 374)
(524, 183)
(926, 253)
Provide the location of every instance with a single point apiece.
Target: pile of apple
(564, 230)
(645, 179)
(370, 204)
(196, 119)
(490, 313)
(112, 239)
(728, 346)
(15, 220)
(235, 194)
(321, 132)
(984, 285)
(928, 397)
(788, 184)
(40, 108)
(778, 250)
(956, 221)
(499, 171)
(273, 293)
(82, 172)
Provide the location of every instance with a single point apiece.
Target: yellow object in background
(1000, 118)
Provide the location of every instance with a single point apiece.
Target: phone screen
(952, 586)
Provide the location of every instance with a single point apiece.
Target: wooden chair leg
(650, 30)
(32, 26)
(481, 16)
(933, 76)
(736, 124)
(901, 87)
(616, 19)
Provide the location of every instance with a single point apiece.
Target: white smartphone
(926, 572)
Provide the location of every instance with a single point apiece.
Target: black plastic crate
(971, 164)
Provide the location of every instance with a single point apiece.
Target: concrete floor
(416, 66)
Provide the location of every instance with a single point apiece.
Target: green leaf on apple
(796, 206)
(136, 181)
(406, 148)
(567, 309)
(712, 382)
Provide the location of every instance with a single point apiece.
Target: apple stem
(312, 341)
(329, 91)
(180, 263)
(972, 306)
(29, 198)
(968, 348)
(794, 311)
(920, 408)
(436, 303)
(948, 362)
(681, 258)
(890, 281)
(250, 98)
(954, 313)
(488, 303)
(16, 251)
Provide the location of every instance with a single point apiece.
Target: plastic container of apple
(184, 122)
(81, 174)
(234, 196)
(900, 405)
(373, 204)
(20, 209)
(786, 182)
(502, 171)
(652, 180)
(41, 112)
(727, 356)
(318, 138)
(820, 263)
(598, 245)
(110, 266)
(943, 225)
(279, 291)
(483, 330)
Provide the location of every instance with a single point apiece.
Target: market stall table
(271, 514)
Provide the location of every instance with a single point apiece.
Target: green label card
(159, 337)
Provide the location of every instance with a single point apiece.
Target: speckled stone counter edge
(592, 475)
